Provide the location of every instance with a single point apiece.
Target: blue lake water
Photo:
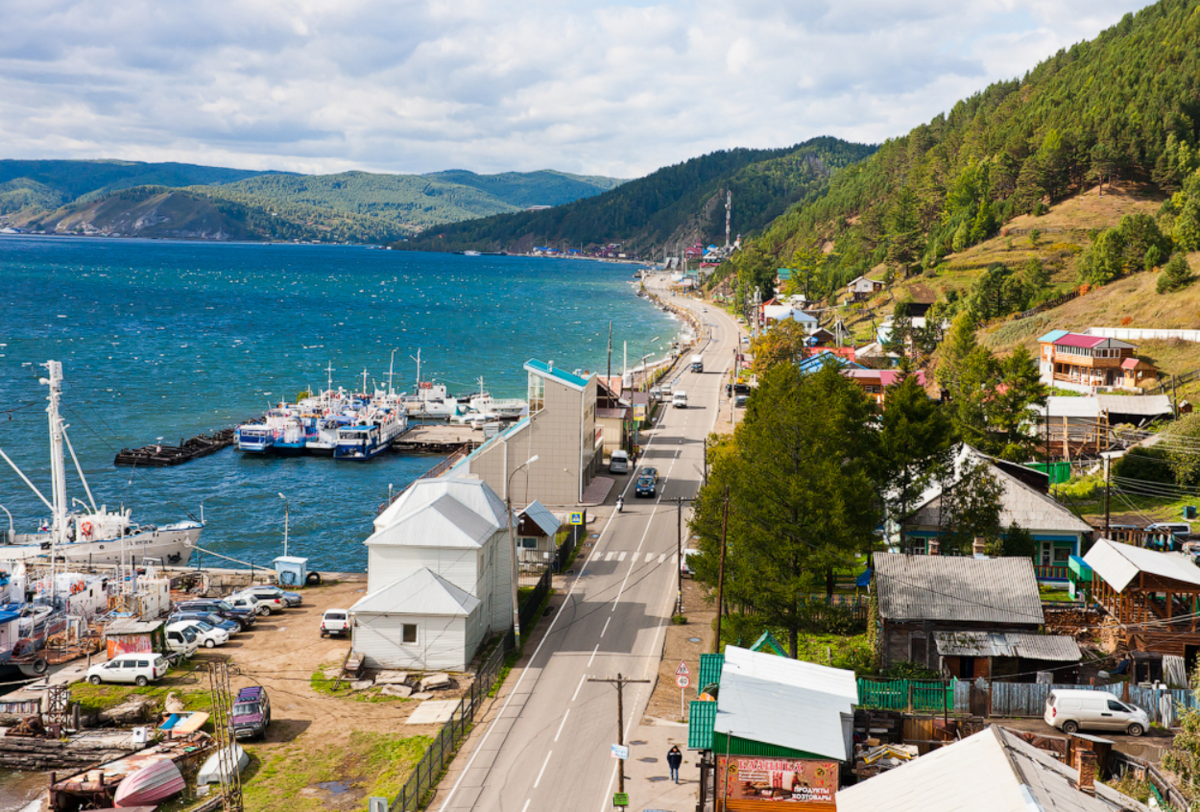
(173, 339)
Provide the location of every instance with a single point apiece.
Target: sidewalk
(647, 777)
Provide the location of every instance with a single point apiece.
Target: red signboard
(754, 782)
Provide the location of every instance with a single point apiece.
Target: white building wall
(499, 616)
(387, 564)
(443, 643)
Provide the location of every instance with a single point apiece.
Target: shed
(537, 534)
(291, 570)
(129, 635)
(420, 622)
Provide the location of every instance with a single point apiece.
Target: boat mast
(391, 371)
(364, 389)
(58, 472)
(329, 384)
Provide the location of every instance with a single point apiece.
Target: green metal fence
(913, 696)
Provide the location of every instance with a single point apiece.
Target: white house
(779, 312)
(442, 541)
(862, 288)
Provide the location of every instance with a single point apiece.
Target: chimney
(977, 547)
(550, 365)
(934, 547)
(1085, 763)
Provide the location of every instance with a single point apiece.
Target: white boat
(431, 400)
(94, 534)
(222, 763)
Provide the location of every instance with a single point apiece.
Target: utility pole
(620, 682)
(609, 380)
(721, 570)
(1107, 491)
(679, 554)
(222, 719)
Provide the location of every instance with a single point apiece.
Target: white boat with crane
(90, 534)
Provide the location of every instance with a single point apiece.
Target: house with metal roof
(537, 535)
(1073, 425)
(1024, 500)
(862, 288)
(966, 617)
(561, 432)
(1086, 363)
(751, 736)
(991, 771)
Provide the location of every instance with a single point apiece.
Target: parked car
(650, 472)
(290, 599)
(241, 600)
(618, 463)
(335, 622)
(646, 486)
(251, 713)
(740, 401)
(206, 635)
(244, 617)
(267, 603)
(230, 627)
(732, 389)
(141, 669)
(685, 566)
(182, 640)
(1071, 710)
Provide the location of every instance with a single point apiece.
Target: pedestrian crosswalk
(648, 558)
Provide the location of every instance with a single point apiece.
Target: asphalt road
(548, 748)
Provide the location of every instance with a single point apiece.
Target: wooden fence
(429, 769)
(1033, 311)
(1029, 699)
(1169, 384)
(913, 696)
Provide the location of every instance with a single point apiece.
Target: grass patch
(326, 685)
(1052, 595)
(851, 651)
(189, 684)
(371, 763)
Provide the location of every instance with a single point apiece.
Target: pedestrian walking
(674, 759)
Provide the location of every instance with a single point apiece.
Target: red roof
(1079, 340)
(1130, 363)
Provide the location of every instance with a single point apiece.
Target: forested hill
(1125, 105)
(117, 197)
(676, 203)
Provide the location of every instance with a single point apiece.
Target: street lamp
(10, 524)
(645, 377)
(287, 509)
(512, 544)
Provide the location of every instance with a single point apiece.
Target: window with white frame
(408, 633)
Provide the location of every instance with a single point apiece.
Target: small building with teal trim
(1024, 501)
(778, 730)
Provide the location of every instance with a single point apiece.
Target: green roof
(701, 719)
(548, 371)
(710, 670)
(736, 745)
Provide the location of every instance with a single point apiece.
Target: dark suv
(251, 713)
(243, 617)
(231, 626)
(646, 486)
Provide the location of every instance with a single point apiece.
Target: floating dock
(157, 455)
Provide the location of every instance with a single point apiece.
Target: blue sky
(613, 88)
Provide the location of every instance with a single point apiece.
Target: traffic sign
(620, 751)
(577, 517)
(682, 670)
(621, 799)
(682, 681)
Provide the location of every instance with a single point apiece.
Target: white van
(182, 639)
(618, 463)
(679, 400)
(1174, 528)
(140, 669)
(1071, 710)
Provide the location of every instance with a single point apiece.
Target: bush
(1176, 275)
(1148, 464)
(909, 670)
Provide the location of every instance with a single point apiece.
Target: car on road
(206, 635)
(244, 617)
(1071, 710)
(650, 472)
(618, 463)
(679, 400)
(738, 388)
(646, 486)
(704, 310)
(141, 669)
(335, 622)
(230, 627)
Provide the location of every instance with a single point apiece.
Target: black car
(243, 617)
(737, 389)
(646, 486)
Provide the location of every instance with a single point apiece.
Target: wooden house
(537, 534)
(862, 288)
(1085, 363)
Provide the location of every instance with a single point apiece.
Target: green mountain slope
(524, 189)
(1125, 105)
(680, 202)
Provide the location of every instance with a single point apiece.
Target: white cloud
(616, 88)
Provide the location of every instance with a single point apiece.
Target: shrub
(1175, 275)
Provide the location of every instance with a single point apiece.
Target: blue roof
(814, 362)
(7, 616)
(1053, 335)
(544, 369)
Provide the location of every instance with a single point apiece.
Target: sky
(598, 87)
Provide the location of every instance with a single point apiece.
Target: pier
(437, 439)
(157, 455)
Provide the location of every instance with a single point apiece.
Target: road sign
(577, 517)
(682, 670)
(682, 681)
(621, 799)
(620, 751)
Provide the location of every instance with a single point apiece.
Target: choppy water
(173, 339)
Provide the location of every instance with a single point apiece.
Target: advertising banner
(758, 782)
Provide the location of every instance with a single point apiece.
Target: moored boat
(219, 764)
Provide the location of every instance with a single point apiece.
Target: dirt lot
(1150, 746)
(679, 645)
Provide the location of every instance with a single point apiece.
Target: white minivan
(141, 669)
(679, 400)
(1071, 710)
(618, 463)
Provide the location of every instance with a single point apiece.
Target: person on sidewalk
(674, 759)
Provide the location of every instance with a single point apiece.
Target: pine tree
(1175, 275)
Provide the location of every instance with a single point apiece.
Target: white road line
(621, 556)
(593, 657)
(609, 555)
(582, 679)
(526, 806)
(606, 622)
(662, 558)
(543, 770)
(562, 724)
(649, 557)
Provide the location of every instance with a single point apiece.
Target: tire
(1070, 726)
(323, 632)
(264, 610)
(94, 679)
(313, 579)
(142, 682)
(40, 666)
(1135, 729)
(209, 643)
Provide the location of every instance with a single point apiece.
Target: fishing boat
(152, 784)
(220, 764)
(93, 534)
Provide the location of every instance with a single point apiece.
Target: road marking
(562, 724)
(526, 806)
(662, 558)
(649, 557)
(543, 770)
(582, 679)
(609, 555)
(606, 621)
(621, 556)
(597, 648)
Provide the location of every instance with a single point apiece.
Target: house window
(918, 649)
(529, 544)
(537, 393)
(408, 633)
(1062, 556)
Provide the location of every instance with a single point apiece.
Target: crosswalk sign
(577, 517)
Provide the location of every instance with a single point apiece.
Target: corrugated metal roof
(474, 493)
(543, 518)
(1059, 648)
(1052, 336)
(700, 725)
(422, 593)
(992, 771)
(1119, 564)
(834, 681)
(446, 522)
(1148, 405)
(1078, 340)
(128, 625)
(710, 670)
(938, 587)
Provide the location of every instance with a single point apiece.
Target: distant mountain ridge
(680, 203)
(113, 197)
